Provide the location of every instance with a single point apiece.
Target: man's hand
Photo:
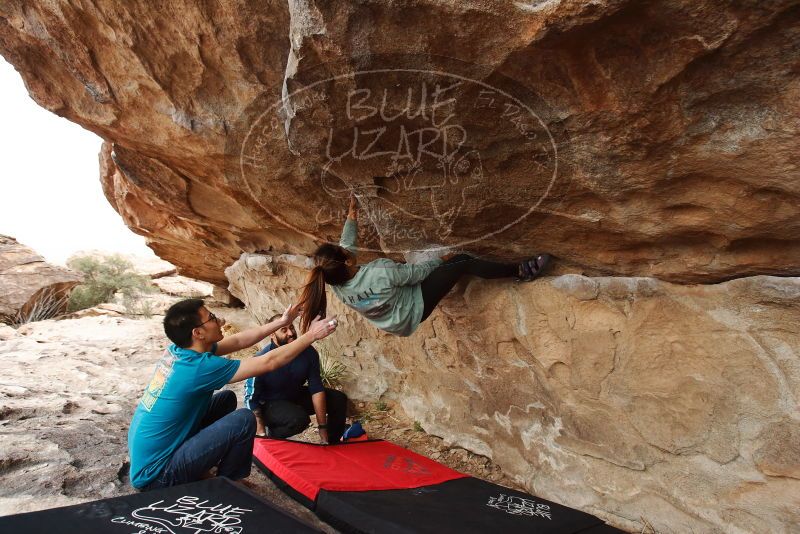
(291, 313)
(352, 212)
(321, 328)
(323, 435)
(280, 356)
(251, 336)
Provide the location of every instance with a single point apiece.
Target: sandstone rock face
(181, 286)
(625, 137)
(26, 279)
(627, 397)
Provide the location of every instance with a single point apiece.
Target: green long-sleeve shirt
(387, 293)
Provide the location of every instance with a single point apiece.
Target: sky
(51, 199)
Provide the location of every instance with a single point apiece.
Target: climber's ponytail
(313, 300)
(329, 267)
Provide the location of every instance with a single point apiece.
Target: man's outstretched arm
(251, 336)
(278, 357)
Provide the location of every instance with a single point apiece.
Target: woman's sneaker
(533, 268)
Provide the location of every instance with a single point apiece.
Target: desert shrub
(103, 277)
(140, 307)
(331, 371)
(46, 305)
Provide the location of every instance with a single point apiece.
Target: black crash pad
(214, 506)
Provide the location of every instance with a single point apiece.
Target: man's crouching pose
(282, 401)
(181, 428)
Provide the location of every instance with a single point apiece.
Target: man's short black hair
(276, 316)
(181, 318)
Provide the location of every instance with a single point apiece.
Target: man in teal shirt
(181, 429)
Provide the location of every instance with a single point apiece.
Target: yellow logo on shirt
(159, 379)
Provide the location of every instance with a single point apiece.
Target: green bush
(103, 277)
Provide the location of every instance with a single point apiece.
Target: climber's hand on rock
(352, 212)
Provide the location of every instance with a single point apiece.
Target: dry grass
(45, 306)
(331, 371)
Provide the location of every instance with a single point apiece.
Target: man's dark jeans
(225, 440)
(285, 418)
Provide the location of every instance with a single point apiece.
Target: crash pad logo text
(519, 506)
(186, 515)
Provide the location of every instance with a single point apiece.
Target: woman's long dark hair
(329, 268)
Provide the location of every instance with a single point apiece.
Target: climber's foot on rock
(534, 267)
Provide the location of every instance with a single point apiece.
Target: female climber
(395, 297)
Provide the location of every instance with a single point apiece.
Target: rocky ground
(67, 393)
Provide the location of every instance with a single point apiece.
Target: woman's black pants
(439, 283)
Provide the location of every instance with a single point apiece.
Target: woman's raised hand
(321, 328)
(352, 212)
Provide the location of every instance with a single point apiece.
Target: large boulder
(627, 397)
(29, 286)
(180, 286)
(625, 137)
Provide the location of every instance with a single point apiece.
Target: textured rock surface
(25, 279)
(65, 403)
(627, 397)
(183, 287)
(672, 140)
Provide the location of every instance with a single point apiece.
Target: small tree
(103, 277)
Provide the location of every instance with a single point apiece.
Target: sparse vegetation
(367, 416)
(140, 308)
(418, 427)
(45, 306)
(103, 277)
(381, 406)
(331, 371)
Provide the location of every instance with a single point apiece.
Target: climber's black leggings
(439, 283)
